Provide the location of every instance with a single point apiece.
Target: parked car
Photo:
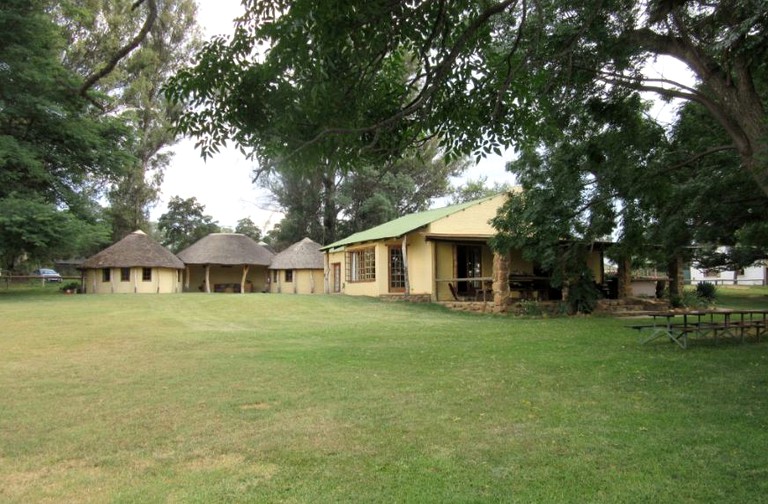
(48, 274)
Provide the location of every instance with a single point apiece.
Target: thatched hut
(298, 269)
(226, 262)
(135, 264)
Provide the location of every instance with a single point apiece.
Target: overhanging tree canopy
(301, 74)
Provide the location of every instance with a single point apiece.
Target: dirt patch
(255, 406)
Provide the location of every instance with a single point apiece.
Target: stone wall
(470, 306)
(413, 298)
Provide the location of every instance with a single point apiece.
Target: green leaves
(184, 223)
(31, 226)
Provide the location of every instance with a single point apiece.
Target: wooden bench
(702, 323)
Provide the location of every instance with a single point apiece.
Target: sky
(223, 184)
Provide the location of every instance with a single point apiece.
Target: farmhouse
(755, 274)
(438, 255)
(135, 264)
(226, 262)
(298, 269)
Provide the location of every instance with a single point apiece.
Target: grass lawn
(281, 398)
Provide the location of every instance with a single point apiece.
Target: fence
(7, 279)
(728, 281)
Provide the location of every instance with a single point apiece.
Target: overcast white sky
(223, 183)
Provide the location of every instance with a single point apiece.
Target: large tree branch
(679, 48)
(497, 109)
(726, 120)
(433, 82)
(441, 70)
(95, 77)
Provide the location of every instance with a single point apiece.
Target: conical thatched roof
(135, 250)
(301, 255)
(228, 249)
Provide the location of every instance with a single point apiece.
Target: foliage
(184, 223)
(309, 80)
(583, 294)
(477, 189)
(343, 78)
(73, 286)
(530, 308)
(38, 230)
(248, 228)
(132, 90)
(52, 143)
(706, 291)
(688, 299)
(59, 150)
(372, 195)
(325, 204)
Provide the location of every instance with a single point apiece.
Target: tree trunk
(675, 272)
(500, 282)
(625, 278)
(727, 91)
(243, 279)
(329, 205)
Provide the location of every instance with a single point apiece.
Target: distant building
(757, 274)
(298, 269)
(226, 262)
(136, 264)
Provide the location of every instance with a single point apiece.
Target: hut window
(125, 274)
(106, 275)
(146, 274)
(288, 276)
(275, 275)
(361, 265)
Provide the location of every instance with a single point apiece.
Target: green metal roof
(405, 224)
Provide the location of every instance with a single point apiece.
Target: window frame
(361, 265)
(396, 281)
(146, 274)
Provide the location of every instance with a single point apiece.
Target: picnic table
(714, 323)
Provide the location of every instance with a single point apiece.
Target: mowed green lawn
(270, 398)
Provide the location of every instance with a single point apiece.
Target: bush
(583, 294)
(706, 291)
(530, 308)
(688, 299)
(73, 286)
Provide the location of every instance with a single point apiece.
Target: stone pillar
(625, 278)
(500, 282)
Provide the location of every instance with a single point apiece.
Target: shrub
(706, 291)
(583, 294)
(530, 308)
(73, 286)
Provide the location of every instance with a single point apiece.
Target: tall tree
(184, 223)
(37, 230)
(476, 189)
(327, 204)
(55, 148)
(157, 38)
(247, 227)
(481, 74)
